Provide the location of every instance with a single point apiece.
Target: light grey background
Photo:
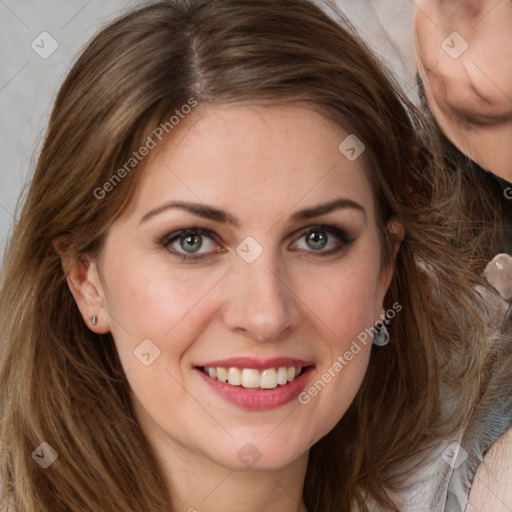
(29, 83)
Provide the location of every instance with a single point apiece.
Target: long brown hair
(62, 384)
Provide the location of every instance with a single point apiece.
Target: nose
(261, 303)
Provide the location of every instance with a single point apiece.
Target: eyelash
(167, 240)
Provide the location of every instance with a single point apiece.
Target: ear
(84, 282)
(395, 234)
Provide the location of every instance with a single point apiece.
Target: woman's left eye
(196, 243)
(324, 239)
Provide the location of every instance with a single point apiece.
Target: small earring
(381, 335)
(94, 319)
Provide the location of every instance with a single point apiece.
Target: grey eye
(191, 243)
(317, 239)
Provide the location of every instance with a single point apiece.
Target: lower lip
(259, 400)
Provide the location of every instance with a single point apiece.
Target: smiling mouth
(251, 378)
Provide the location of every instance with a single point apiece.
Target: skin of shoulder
(492, 489)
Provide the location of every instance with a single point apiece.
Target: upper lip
(258, 364)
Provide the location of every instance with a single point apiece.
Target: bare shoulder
(492, 489)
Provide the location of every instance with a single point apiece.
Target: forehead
(254, 157)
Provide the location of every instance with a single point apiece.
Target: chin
(260, 453)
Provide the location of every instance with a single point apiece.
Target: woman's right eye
(190, 244)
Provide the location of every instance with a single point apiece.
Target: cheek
(159, 312)
(147, 301)
(350, 302)
(148, 290)
(343, 302)
(346, 297)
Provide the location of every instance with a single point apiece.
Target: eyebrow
(218, 215)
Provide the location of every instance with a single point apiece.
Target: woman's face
(280, 269)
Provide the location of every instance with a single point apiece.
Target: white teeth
(222, 374)
(235, 376)
(282, 375)
(251, 378)
(268, 379)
